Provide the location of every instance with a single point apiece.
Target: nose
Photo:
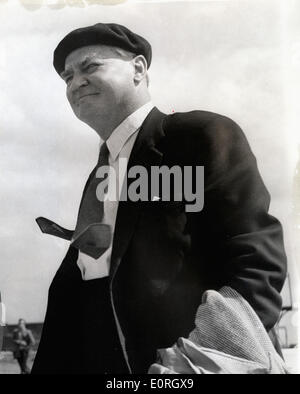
(78, 82)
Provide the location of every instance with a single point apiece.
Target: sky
(238, 58)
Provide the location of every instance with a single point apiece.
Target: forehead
(81, 55)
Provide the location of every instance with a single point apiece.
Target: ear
(140, 67)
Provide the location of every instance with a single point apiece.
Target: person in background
(2, 322)
(24, 340)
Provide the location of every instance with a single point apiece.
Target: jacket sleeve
(249, 239)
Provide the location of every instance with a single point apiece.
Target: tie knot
(103, 155)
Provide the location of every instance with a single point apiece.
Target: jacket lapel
(145, 153)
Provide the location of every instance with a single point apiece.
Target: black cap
(101, 34)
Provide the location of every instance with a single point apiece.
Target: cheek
(69, 97)
(113, 83)
(119, 88)
(68, 94)
(74, 107)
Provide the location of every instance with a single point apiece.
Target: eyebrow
(69, 71)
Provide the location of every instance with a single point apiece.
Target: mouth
(87, 95)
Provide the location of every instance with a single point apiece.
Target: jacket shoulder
(200, 124)
(202, 130)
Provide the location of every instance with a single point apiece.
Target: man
(135, 272)
(2, 322)
(23, 340)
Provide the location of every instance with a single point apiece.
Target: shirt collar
(124, 131)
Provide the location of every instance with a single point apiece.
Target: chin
(85, 112)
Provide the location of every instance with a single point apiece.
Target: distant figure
(2, 322)
(24, 340)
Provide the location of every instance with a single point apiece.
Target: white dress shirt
(120, 144)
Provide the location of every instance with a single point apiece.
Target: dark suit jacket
(163, 258)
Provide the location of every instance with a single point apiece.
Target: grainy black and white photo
(149, 189)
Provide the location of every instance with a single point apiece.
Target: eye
(68, 79)
(92, 67)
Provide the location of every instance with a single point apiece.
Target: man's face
(22, 324)
(98, 80)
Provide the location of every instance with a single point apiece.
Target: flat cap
(101, 34)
